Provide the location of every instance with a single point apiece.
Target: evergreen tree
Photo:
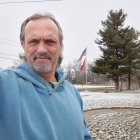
(119, 47)
(131, 48)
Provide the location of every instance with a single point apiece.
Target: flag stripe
(82, 67)
(82, 60)
(83, 54)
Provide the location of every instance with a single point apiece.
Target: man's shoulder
(6, 71)
(70, 87)
(6, 74)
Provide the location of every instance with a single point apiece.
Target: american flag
(82, 60)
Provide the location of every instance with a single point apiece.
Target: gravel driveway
(112, 116)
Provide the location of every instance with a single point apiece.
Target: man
(36, 102)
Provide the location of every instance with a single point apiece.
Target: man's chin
(42, 68)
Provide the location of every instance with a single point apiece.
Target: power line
(3, 57)
(14, 2)
(4, 44)
(8, 54)
(8, 58)
(9, 41)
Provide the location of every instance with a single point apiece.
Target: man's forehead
(42, 25)
(42, 21)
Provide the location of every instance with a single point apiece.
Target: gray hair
(43, 16)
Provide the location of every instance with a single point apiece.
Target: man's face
(42, 46)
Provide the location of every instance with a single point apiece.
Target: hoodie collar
(26, 72)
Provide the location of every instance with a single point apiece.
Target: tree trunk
(139, 81)
(116, 81)
(129, 81)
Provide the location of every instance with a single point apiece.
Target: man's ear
(23, 45)
(22, 56)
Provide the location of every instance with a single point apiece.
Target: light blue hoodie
(30, 109)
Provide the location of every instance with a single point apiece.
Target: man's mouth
(42, 56)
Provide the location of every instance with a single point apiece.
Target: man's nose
(42, 47)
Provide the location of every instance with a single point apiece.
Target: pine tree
(119, 46)
(131, 49)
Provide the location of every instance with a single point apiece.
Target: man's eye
(33, 42)
(50, 42)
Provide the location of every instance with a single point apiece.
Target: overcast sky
(80, 21)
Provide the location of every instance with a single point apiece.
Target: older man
(36, 102)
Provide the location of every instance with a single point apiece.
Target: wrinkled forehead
(45, 28)
(45, 23)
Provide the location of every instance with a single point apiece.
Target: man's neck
(49, 77)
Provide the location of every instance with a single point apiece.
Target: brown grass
(99, 89)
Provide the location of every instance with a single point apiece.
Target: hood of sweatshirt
(25, 71)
